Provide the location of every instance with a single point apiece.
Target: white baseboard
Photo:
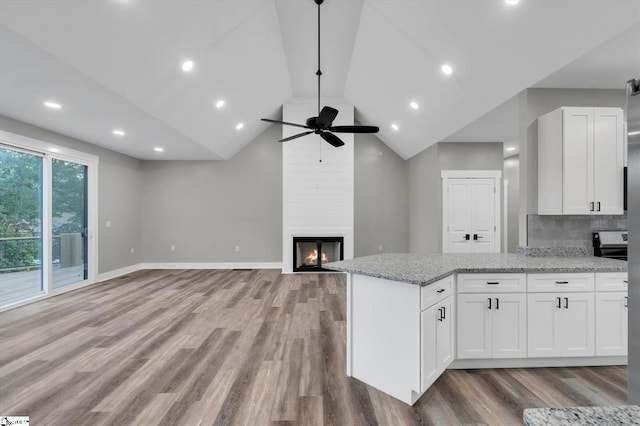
(212, 265)
(119, 272)
(538, 362)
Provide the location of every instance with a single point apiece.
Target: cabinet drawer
(540, 283)
(435, 292)
(612, 281)
(492, 283)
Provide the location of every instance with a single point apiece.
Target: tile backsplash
(569, 231)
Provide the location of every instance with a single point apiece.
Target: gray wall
(534, 103)
(425, 186)
(511, 173)
(425, 216)
(205, 208)
(381, 204)
(119, 179)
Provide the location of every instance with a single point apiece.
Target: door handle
(440, 317)
(591, 206)
(444, 312)
(467, 237)
(562, 282)
(493, 282)
(497, 303)
(598, 203)
(559, 302)
(626, 301)
(489, 303)
(566, 303)
(475, 237)
(442, 290)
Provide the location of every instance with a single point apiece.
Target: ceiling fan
(322, 124)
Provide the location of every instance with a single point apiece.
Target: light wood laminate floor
(233, 347)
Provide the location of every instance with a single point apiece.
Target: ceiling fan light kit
(322, 124)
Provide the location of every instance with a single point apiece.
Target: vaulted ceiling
(117, 64)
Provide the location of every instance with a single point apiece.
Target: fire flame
(312, 258)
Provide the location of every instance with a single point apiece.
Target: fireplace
(310, 253)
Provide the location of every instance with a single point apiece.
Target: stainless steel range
(610, 244)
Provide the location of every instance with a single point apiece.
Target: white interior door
(483, 215)
(459, 217)
(471, 212)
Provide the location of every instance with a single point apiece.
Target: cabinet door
(445, 335)
(578, 324)
(608, 161)
(543, 315)
(428, 344)
(474, 327)
(577, 181)
(509, 324)
(611, 324)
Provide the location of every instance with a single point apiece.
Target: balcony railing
(23, 253)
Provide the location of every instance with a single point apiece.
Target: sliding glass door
(21, 222)
(68, 222)
(48, 217)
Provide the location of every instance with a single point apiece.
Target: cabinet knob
(442, 290)
(562, 282)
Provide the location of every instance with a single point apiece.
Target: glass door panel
(68, 222)
(21, 273)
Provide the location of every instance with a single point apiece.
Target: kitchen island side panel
(385, 335)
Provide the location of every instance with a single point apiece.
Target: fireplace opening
(310, 253)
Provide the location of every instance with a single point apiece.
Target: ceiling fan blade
(326, 117)
(284, 122)
(299, 135)
(354, 129)
(332, 139)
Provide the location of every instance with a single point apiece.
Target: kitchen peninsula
(410, 316)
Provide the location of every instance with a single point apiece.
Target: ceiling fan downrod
(319, 72)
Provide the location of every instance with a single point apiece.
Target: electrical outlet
(133, 250)
(237, 249)
(173, 248)
(379, 248)
(108, 224)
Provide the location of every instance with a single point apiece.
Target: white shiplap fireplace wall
(317, 196)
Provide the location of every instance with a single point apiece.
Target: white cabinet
(436, 341)
(560, 324)
(580, 161)
(611, 324)
(612, 314)
(492, 325)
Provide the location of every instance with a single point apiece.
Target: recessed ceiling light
(118, 132)
(239, 126)
(220, 103)
(414, 105)
(158, 149)
(511, 148)
(52, 105)
(395, 127)
(187, 66)
(512, 2)
(447, 69)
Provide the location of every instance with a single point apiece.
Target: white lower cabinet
(436, 341)
(561, 324)
(611, 323)
(492, 325)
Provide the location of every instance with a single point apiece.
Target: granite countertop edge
(427, 277)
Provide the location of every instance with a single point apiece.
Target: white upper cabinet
(580, 161)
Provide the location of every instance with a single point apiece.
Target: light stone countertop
(424, 269)
(623, 415)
